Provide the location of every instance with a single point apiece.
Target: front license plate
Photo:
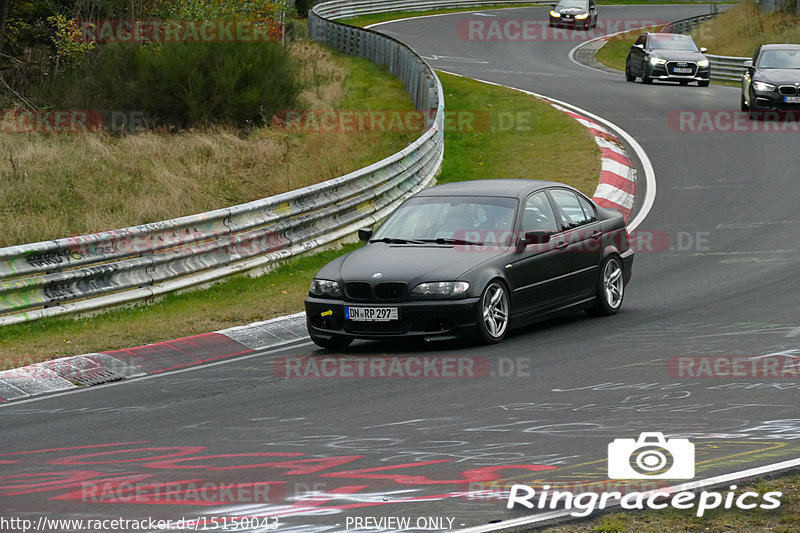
(370, 314)
(791, 99)
(682, 70)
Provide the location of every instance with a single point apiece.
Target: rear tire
(494, 312)
(610, 288)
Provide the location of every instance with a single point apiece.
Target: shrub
(181, 84)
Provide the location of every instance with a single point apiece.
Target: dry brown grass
(739, 30)
(55, 185)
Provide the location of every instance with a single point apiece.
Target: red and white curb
(616, 188)
(85, 370)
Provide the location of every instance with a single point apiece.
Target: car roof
(777, 46)
(490, 187)
(666, 35)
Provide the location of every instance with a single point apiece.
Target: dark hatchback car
(574, 14)
(473, 259)
(771, 80)
(667, 57)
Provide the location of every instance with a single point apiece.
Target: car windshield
(567, 4)
(779, 59)
(451, 218)
(672, 42)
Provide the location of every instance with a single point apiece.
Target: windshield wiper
(392, 240)
(457, 242)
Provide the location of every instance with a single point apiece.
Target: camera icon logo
(651, 456)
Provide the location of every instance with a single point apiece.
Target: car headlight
(703, 63)
(761, 86)
(582, 16)
(441, 289)
(657, 61)
(555, 14)
(325, 288)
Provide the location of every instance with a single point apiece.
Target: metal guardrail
(88, 272)
(339, 9)
(727, 68)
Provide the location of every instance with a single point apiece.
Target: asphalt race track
(238, 439)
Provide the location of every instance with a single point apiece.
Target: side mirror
(748, 63)
(703, 49)
(364, 234)
(534, 237)
(639, 46)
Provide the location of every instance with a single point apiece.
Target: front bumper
(560, 22)
(661, 73)
(771, 101)
(427, 319)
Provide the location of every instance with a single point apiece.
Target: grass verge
(533, 150)
(54, 185)
(516, 136)
(784, 519)
(739, 30)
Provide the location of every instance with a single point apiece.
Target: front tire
(646, 75)
(610, 288)
(703, 83)
(743, 105)
(628, 75)
(493, 313)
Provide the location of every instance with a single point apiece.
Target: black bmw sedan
(667, 57)
(771, 80)
(473, 259)
(574, 14)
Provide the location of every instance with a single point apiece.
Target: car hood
(570, 10)
(677, 55)
(413, 263)
(779, 76)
